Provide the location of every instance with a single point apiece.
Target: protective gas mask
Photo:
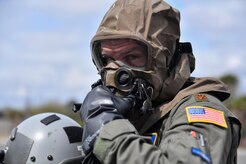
(158, 81)
(124, 79)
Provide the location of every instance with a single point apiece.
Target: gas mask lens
(130, 52)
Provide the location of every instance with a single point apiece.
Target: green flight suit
(178, 141)
(181, 138)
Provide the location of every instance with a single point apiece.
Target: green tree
(239, 103)
(232, 81)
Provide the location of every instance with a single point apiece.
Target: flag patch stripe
(205, 114)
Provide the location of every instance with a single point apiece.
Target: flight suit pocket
(187, 147)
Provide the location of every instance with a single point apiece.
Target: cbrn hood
(156, 24)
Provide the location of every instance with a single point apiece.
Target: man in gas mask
(146, 108)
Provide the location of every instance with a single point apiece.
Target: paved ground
(241, 156)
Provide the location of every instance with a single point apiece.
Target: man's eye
(135, 60)
(105, 59)
(131, 57)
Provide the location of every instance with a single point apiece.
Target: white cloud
(212, 62)
(221, 14)
(56, 39)
(234, 62)
(216, 30)
(68, 8)
(22, 92)
(76, 78)
(44, 45)
(5, 48)
(215, 19)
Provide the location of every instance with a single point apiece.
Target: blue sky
(45, 45)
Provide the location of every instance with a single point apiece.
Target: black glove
(100, 107)
(2, 154)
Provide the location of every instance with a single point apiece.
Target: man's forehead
(116, 43)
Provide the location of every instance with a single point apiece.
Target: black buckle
(185, 47)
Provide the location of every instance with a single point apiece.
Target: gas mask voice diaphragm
(124, 80)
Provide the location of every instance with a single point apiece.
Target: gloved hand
(100, 107)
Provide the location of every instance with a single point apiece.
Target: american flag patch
(205, 114)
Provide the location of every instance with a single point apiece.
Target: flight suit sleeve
(119, 143)
(181, 141)
(202, 139)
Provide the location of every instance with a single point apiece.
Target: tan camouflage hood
(156, 24)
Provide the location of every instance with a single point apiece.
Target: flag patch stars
(206, 115)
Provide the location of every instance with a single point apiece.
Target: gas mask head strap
(181, 47)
